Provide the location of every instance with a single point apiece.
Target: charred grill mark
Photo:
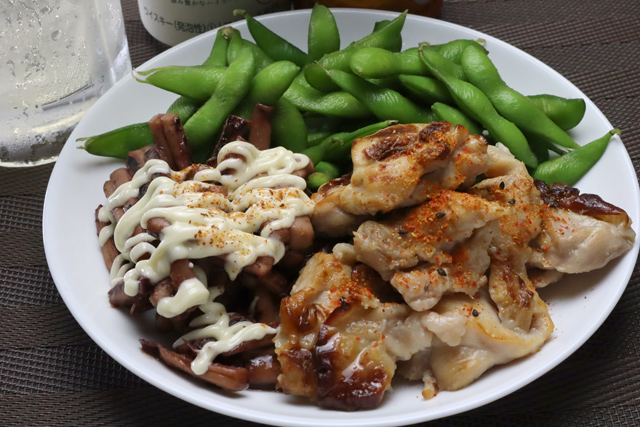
(434, 136)
(299, 371)
(263, 371)
(177, 140)
(234, 129)
(362, 388)
(344, 180)
(387, 146)
(523, 295)
(157, 130)
(566, 197)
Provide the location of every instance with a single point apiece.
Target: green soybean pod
(267, 86)
(195, 82)
(324, 36)
(427, 89)
(237, 43)
(328, 168)
(318, 152)
(565, 112)
(205, 124)
(453, 50)
(386, 38)
(455, 116)
(218, 55)
(386, 104)
(396, 45)
(372, 62)
(473, 102)
(540, 150)
(288, 128)
(333, 104)
(570, 167)
(380, 25)
(510, 103)
(184, 108)
(337, 148)
(272, 44)
(317, 180)
(315, 138)
(322, 123)
(118, 142)
(340, 151)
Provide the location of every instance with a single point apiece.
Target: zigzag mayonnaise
(204, 223)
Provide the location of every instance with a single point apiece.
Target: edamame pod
(237, 43)
(288, 129)
(184, 108)
(205, 124)
(118, 142)
(218, 55)
(453, 50)
(268, 86)
(386, 38)
(570, 167)
(196, 82)
(328, 168)
(456, 117)
(473, 102)
(565, 112)
(317, 180)
(272, 44)
(373, 62)
(334, 104)
(324, 36)
(316, 138)
(511, 104)
(386, 104)
(427, 89)
(337, 147)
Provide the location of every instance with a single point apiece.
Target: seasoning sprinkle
(440, 215)
(402, 231)
(502, 185)
(442, 272)
(511, 201)
(475, 313)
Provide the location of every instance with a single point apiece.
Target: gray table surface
(52, 374)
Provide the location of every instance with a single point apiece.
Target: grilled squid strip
(227, 377)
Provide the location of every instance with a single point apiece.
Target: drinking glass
(57, 57)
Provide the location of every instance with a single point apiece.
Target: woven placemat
(52, 374)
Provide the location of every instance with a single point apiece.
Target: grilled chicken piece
(402, 164)
(580, 232)
(329, 218)
(426, 233)
(399, 166)
(483, 341)
(338, 343)
(575, 243)
(522, 223)
(423, 286)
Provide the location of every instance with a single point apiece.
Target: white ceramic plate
(578, 304)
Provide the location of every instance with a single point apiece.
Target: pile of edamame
(326, 97)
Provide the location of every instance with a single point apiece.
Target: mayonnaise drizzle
(202, 223)
(216, 325)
